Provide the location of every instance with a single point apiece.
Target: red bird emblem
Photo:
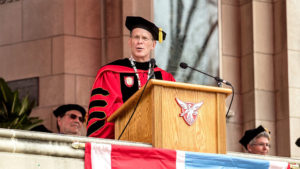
(189, 111)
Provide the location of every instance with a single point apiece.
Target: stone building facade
(62, 43)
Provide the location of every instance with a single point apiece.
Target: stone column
(263, 89)
(230, 40)
(289, 117)
(248, 61)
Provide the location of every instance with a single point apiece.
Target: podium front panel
(157, 120)
(204, 135)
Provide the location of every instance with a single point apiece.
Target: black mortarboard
(250, 134)
(298, 142)
(61, 110)
(139, 22)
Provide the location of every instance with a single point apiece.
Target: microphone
(219, 80)
(152, 62)
(152, 74)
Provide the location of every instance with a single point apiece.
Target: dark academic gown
(114, 84)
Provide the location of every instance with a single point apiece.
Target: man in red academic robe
(117, 81)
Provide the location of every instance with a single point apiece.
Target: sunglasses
(263, 144)
(73, 116)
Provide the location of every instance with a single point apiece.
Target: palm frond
(14, 112)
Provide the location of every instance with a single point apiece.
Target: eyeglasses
(73, 116)
(263, 144)
(143, 38)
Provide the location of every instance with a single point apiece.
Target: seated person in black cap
(256, 141)
(117, 81)
(70, 118)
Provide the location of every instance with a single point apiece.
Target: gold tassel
(160, 35)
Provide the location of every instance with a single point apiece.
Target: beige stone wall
(58, 41)
(64, 43)
(231, 69)
(248, 61)
(293, 72)
(260, 40)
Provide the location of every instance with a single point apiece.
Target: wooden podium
(157, 121)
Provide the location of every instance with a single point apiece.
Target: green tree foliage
(14, 112)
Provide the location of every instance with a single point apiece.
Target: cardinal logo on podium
(189, 111)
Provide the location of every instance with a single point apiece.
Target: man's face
(141, 44)
(261, 146)
(70, 123)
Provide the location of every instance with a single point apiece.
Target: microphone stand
(218, 79)
(152, 61)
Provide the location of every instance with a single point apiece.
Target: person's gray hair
(262, 134)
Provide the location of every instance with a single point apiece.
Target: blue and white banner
(106, 156)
